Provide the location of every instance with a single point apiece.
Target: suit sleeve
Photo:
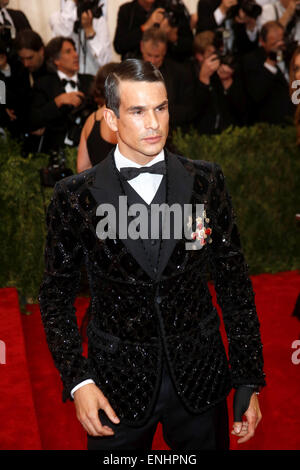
(206, 19)
(126, 38)
(234, 289)
(43, 110)
(60, 284)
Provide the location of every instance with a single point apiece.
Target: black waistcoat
(151, 246)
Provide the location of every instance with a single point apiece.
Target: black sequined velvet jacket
(140, 317)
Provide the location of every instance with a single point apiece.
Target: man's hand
(246, 429)
(289, 12)
(3, 61)
(210, 65)
(11, 114)
(88, 400)
(39, 132)
(226, 4)
(171, 32)
(156, 17)
(74, 98)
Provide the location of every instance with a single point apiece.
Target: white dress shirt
(98, 50)
(68, 89)
(146, 185)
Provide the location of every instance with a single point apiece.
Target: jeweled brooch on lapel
(202, 233)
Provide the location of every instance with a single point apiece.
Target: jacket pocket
(102, 340)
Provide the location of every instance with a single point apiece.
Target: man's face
(32, 60)
(143, 123)
(154, 53)
(68, 59)
(4, 3)
(274, 40)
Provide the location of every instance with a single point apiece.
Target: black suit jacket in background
(206, 19)
(139, 317)
(45, 113)
(128, 33)
(19, 19)
(268, 93)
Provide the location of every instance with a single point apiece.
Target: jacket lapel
(107, 189)
(180, 183)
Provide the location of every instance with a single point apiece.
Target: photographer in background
(287, 13)
(220, 94)
(61, 100)
(85, 22)
(238, 19)
(11, 22)
(178, 81)
(267, 79)
(19, 77)
(170, 16)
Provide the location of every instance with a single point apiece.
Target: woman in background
(96, 138)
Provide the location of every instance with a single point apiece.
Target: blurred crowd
(234, 62)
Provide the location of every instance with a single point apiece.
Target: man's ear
(111, 119)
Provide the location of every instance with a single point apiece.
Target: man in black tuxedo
(177, 77)
(136, 16)
(57, 95)
(233, 15)
(16, 18)
(266, 78)
(155, 350)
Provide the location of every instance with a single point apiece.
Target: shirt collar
(63, 76)
(122, 161)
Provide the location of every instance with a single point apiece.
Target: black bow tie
(64, 82)
(128, 173)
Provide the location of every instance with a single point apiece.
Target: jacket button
(158, 299)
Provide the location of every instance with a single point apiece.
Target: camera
(93, 5)
(174, 11)
(222, 51)
(249, 7)
(222, 41)
(85, 5)
(56, 169)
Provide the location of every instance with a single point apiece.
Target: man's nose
(151, 121)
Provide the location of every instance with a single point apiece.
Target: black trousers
(182, 430)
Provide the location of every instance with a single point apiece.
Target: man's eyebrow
(141, 108)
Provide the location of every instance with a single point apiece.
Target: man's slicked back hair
(132, 70)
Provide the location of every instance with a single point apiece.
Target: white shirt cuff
(271, 68)
(85, 382)
(219, 16)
